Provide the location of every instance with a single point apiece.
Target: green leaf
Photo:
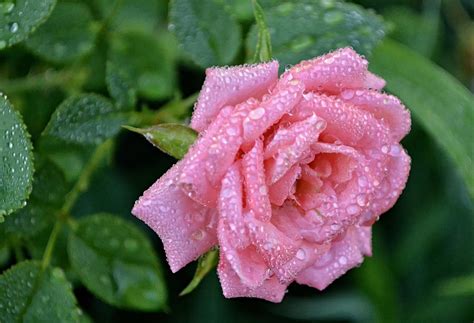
(148, 61)
(458, 286)
(206, 32)
(28, 294)
(16, 160)
(205, 264)
(84, 119)
(120, 87)
(442, 105)
(173, 139)
(18, 19)
(305, 29)
(116, 262)
(67, 35)
(263, 52)
(49, 190)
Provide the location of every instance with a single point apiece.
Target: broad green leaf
(173, 139)
(16, 159)
(19, 18)
(263, 52)
(305, 29)
(206, 32)
(68, 34)
(116, 262)
(84, 119)
(47, 197)
(458, 286)
(120, 87)
(148, 61)
(442, 105)
(28, 294)
(140, 15)
(205, 264)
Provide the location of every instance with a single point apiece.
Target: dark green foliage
(76, 71)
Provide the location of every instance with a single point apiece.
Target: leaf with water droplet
(205, 264)
(30, 294)
(117, 263)
(16, 159)
(438, 101)
(120, 86)
(20, 18)
(47, 197)
(206, 32)
(332, 24)
(67, 35)
(84, 119)
(173, 139)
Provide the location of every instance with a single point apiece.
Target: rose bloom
(287, 176)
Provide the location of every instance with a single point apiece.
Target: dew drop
(256, 113)
(14, 27)
(343, 260)
(198, 235)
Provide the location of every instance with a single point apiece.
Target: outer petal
(229, 86)
(193, 178)
(256, 190)
(186, 228)
(384, 107)
(341, 69)
(271, 289)
(342, 256)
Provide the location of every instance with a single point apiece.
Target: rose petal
(343, 255)
(341, 69)
(229, 86)
(384, 107)
(373, 81)
(285, 186)
(271, 289)
(164, 207)
(256, 190)
(271, 109)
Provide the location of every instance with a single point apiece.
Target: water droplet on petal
(300, 254)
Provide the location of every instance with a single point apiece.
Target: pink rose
(287, 176)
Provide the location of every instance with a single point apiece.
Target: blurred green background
(422, 269)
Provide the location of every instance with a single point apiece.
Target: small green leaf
(28, 294)
(458, 286)
(116, 262)
(19, 18)
(206, 32)
(67, 35)
(442, 105)
(173, 139)
(205, 264)
(305, 29)
(263, 52)
(120, 87)
(84, 119)
(148, 61)
(49, 190)
(16, 160)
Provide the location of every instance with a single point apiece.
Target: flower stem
(48, 251)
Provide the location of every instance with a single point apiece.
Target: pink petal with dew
(341, 69)
(285, 186)
(231, 223)
(230, 86)
(232, 286)
(303, 135)
(350, 125)
(271, 109)
(384, 107)
(186, 228)
(343, 255)
(256, 190)
(193, 179)
(374, 82)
